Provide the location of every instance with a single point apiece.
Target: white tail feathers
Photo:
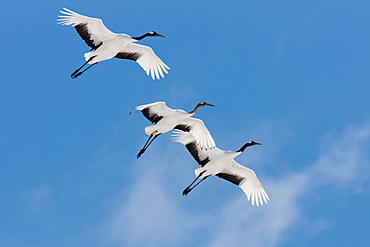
(89, 55)
(150, 129)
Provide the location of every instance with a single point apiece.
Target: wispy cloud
(281, 46)
(145, 214)
(148, 214)
(38, 199)
(345, 160)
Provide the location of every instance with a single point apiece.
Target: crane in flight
(106, 45)
(222, 164)
(166, 119)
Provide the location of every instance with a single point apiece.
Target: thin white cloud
(244, 224)
(146, 215)
(281, 46)
(345, 160)
(38, 199)
(149, 214)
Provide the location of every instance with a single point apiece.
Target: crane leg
(76, 73)
(80, 73)
(146, 145)
(189, 188)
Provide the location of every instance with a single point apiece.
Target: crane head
(199, 105)
(252, 143)
(205, 104)
(154, 33)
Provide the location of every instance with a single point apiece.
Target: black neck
(141, 37)
(249, 144)
(195, 109)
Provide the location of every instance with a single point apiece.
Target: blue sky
(293, 76)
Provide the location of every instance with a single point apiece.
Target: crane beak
(211, 105)
(160, 35)
(256, 143)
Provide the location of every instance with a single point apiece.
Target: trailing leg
(148, 142)
(189, 188)
(76, 73)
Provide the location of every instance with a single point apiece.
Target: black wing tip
(183, 127)
(128, 55)
(193, 150)
(152, 117)
(83, 31)
(237, 180)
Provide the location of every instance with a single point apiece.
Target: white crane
(222, 164)
(106, 45)
(166, 119)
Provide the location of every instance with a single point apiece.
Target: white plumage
(166, 119)
(106, 44)
(222, 164)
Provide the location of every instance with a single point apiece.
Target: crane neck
(140, 37)
(195, 110)
(243, 147)
(248, 144)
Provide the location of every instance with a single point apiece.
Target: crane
(166, 119)
(222, 164)
(106, 45)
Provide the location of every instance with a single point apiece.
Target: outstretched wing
(154, 111)
(201, 155)
(146, 58)
(91, 30)
(247, 180)
(199, 131)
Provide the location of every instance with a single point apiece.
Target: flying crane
(106, 45)
(222, 164)
(166, 119)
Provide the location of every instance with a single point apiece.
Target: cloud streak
(38, 198)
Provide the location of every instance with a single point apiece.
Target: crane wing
(91, 30)
(201, 155)
(199, 131)
(154, 111)
(146, 58)
(247, 180)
